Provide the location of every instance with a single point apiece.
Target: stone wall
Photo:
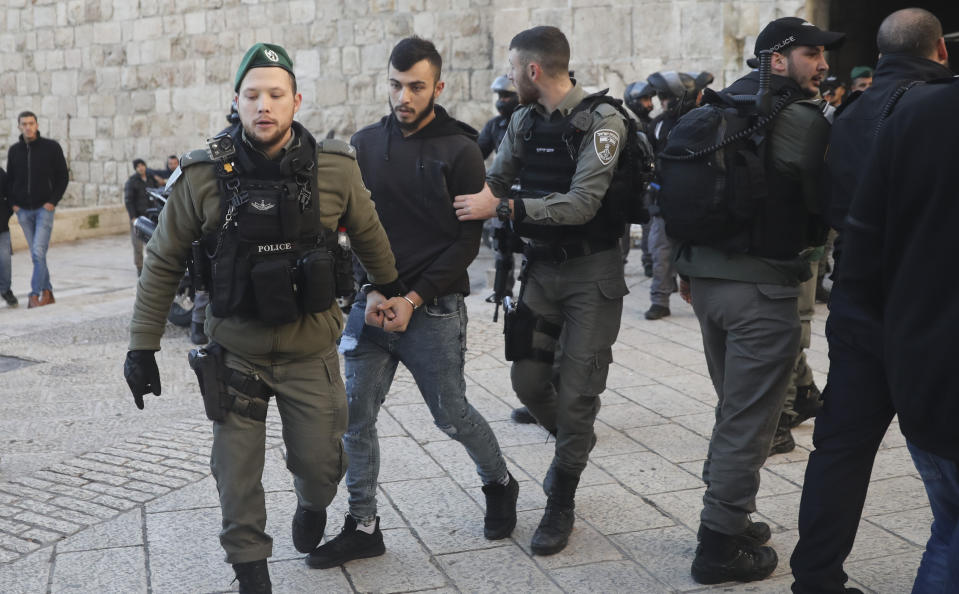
(113, 80)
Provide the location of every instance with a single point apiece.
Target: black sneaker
(10, 298)
(726, 558)
(254, 577)
(522, 416)
(308, 528)
(807, 405)
(500, 509)
(648, 270)
(348, 545)
(757, 533)
(656, 312)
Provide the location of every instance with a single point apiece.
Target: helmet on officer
(677, 91)
(638, 97)
(507, 100)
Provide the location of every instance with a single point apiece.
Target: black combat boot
(728, 558)
(254, 577)
(554, 529)
(349, 544)
(308, 528)
(807, 405)
(500, 509)
(783, 439)
(656, 312)
(757, 533)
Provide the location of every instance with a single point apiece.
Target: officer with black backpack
(745, 210)
(564, 146)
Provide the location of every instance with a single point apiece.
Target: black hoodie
(413, 181)
(36, 173)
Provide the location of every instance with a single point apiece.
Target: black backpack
(634, 168)
(711, 170)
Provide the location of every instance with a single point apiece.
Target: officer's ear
(779, 63)
(297, 100)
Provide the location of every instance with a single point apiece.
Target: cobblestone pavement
(96, 496)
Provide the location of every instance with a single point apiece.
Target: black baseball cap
(789, 31)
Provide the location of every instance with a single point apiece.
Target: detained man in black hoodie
(858, 406)
(414, 161)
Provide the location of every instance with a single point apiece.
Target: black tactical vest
(549, 151)
(270, 258)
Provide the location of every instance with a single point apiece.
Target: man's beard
(806, 90)
(528, 94)
(261, 144)
(414, 124)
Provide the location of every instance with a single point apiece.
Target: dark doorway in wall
(860, 19)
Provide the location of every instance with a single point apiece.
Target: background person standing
(5, 249)
(137, 201)
(37, 177)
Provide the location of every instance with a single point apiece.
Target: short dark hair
(139, 162)
(413, 49)
(26, 114)
(544, 45)
(910, 31)
(173, 157)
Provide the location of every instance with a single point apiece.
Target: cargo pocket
(613, 288)
(598, 372)
(778, 291)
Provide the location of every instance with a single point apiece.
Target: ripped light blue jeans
(433, 348)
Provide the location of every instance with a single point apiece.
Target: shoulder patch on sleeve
(194, 157)
(606, 144)
(337, 147)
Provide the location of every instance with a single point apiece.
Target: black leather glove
(140, 370)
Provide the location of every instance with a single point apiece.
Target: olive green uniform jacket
(193, 210)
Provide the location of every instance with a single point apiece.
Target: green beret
(262, 55)
(861, 72)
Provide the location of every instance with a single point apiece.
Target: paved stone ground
(96, 496)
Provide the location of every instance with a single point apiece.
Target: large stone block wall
(113, 80)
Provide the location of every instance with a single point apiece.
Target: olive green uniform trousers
(311, 400)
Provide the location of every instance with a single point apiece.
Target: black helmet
(502, 84)
(677, 88)
(702, 79)
(636, 91)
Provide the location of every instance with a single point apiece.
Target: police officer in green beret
(259, 212)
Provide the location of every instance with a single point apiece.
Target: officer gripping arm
(598, 153)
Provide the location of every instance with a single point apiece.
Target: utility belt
(226, 390)
(559, 253)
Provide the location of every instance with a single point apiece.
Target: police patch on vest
(605, 142)
(275, 248)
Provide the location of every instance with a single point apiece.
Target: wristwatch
(502, 211)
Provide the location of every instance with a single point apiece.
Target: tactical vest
(549, 151)
(270, 258)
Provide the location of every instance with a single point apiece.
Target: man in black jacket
(37, 177)
(858, 407)
(5, 249)
(414, 161)
(900, 232)
(137, 201)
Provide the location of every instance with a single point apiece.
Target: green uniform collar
(567, 105)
